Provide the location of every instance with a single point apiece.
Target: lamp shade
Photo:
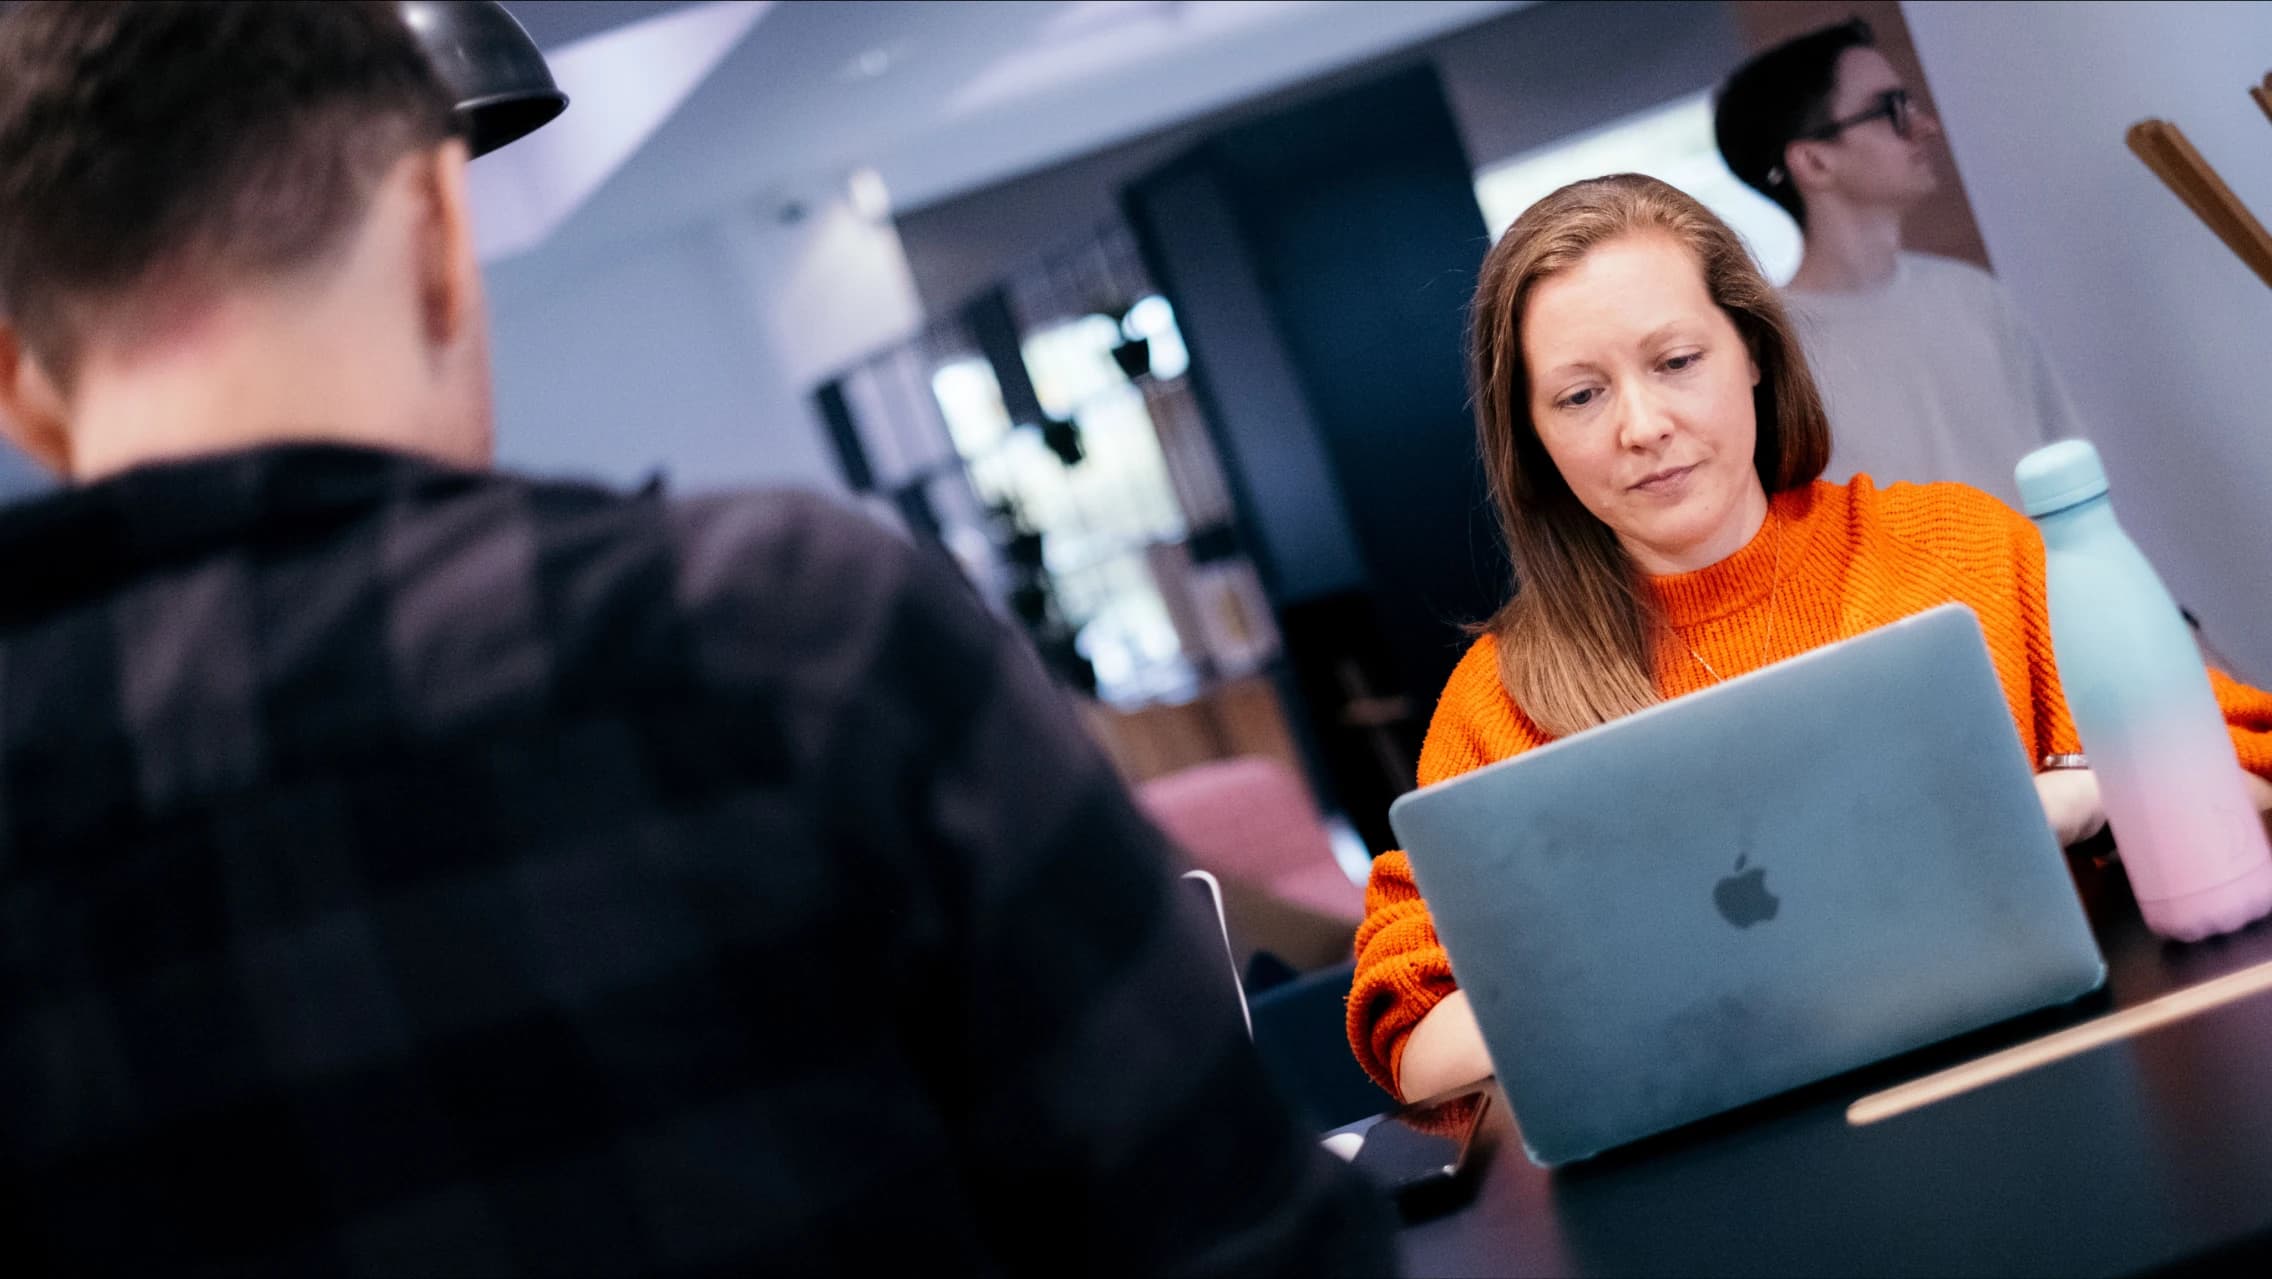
(503, 88)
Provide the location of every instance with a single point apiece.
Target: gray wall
(2162, 335)
(1516, 83)
(693, 354)
(617, 368)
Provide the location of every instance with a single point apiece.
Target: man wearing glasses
(1927, 369)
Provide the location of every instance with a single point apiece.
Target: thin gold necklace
(1774, 583)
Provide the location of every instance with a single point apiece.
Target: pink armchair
(1250, 821)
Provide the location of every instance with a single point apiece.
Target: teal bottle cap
(2057, 476)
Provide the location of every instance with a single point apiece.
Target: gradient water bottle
(2190, 837)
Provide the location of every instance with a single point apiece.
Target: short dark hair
(1777, 98)
(198, 142)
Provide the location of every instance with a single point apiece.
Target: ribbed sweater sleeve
(1402, 971)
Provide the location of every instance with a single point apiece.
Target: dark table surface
(2147, 1154)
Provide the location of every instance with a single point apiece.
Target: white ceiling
(943, 96)
(552, 23)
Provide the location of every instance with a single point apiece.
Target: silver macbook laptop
(1798, 872)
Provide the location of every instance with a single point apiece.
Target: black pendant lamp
(503, 88)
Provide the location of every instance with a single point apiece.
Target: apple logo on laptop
(1743, 897)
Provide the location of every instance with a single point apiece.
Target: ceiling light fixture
(503, 87)
(869, 64)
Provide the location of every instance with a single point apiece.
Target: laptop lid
(1204, 897)
(1806, 869)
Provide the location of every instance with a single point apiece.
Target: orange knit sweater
(1852, 558)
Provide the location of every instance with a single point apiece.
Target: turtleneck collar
(1744, 578)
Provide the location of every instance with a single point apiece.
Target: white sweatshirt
(1931, 376)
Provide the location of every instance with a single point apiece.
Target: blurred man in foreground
(409, 868)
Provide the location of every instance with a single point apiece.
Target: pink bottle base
(2213, 911)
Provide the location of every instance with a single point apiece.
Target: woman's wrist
(2260, 791)
(2071, 803)
(1443, 1051)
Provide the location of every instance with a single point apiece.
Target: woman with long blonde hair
(1654, 440)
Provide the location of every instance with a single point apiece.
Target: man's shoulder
(776, 572)
(800, 569)
(746, 518)
(810, 546)
(1950, 275)
(789, 546)
(632, 592)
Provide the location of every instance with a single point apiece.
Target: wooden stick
(2149, 145)
(2166, 151)
(2235, 213)
(2060, 1045)
(2157, 144)
(2263, 95)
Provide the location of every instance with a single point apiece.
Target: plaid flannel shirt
(413, 870)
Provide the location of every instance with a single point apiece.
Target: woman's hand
(2260, 792)
(1444, 1051)
(2071, 803)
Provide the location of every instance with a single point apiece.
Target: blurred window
(1097, 516)
(1672, 143)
